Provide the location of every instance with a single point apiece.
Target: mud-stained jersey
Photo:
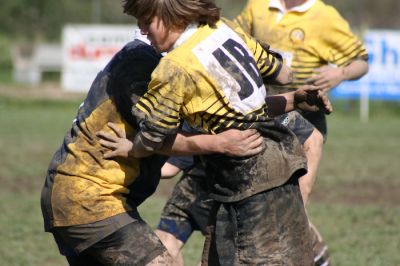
(309, 36)
(212, 79)
(81, 187)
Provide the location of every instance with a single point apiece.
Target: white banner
(86, 49)
(383, 79)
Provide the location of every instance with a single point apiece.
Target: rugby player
(210, 78)
(89, 203)
(189, 205)
(319, 46)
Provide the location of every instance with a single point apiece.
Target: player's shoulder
(171, 65)
(183, 57)
(172, 61)
(327, 11)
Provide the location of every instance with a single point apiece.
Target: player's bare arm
(313, 150)
(231, 142)
(169, 171)
(285, 75)
(328, 77)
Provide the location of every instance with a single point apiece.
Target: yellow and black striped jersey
(81, 187)
(213, 79)
(308, 37)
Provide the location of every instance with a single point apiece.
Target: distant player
(211, 77)
(317, 43)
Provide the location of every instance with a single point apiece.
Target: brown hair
(174, 12)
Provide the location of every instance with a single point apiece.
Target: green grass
(30, 132)
(23, 241)
(359, 235)
(6, 75)
(362, 152)
(355, 204)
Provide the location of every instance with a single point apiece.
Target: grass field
(356, 202)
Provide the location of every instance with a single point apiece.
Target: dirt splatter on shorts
(134, 244)
(298, 124)
(269, 228)
(188, 207)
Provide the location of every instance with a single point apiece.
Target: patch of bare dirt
(354, 194)
(166, 186)
(365, 193)
(21, 184)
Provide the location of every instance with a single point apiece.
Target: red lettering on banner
(81, 51)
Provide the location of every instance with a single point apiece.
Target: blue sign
(383, 79)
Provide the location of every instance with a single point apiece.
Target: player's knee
(172, 244)
(317, 137)
(314, 143)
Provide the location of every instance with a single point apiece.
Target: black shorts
(318, 119)
(300, 126)
(132, 244)
(269, 228)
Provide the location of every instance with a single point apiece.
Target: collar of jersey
(301, 8)
(189, 31)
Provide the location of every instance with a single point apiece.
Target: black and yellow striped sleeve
(167, 91)
(344, 46)
(268, 61)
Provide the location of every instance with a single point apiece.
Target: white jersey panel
(231, 64)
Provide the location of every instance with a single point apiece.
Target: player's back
(82, 187)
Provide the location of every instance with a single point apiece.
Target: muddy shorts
(133, 244)
(297, 124)
(189, 206)
(269, 228)
(187, 209)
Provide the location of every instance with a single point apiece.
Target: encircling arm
(231, 142)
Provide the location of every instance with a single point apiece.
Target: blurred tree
(28, 20)
(43, 19)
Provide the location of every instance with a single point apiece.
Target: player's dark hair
(178, 13)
